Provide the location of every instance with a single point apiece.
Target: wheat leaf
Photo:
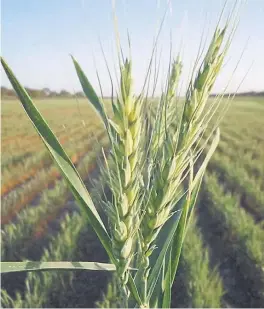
(64, 163)
(9, 267)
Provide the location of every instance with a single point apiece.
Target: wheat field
(222, 262)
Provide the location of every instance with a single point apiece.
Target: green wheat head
(124, 177)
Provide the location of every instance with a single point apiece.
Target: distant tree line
(244, 94)
(44, 93)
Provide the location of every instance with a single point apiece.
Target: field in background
(223, 257)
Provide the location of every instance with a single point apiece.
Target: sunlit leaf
(9, 267)
(90, 92)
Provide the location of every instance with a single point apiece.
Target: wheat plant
(154, 170)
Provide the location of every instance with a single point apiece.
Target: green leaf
(9, 267)
(162, 290)
(209, 154)
(166, 303)
(64, 163)
(164, 241)
(171, 258)
(89, 92)
(179, 237)
(134, 291)
(196, 184)
(194, 188)
(195, 192)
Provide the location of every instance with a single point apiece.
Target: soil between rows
(240, 290)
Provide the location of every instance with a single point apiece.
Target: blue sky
(39, 35)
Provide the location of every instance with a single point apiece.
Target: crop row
(29, 167)
(31, 142)
(26, 145)
(39, 286)
(18, 199)
(246, 145)
(245, 237)
(48, 287)
(9, 161)
(250, 164)
(57, 118)
(242, 157)
(237, 180)
(248, 128)
(32, 223)
(24, 136)
(202, 283)
(17, 236)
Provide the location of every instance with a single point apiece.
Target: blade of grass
(66, 166)
(89, 92)
(176, 245)
(171, 260)
(199, 176)
(134, 291)
(9, 267)
(207, 158)
(165, 238)
(166, 303)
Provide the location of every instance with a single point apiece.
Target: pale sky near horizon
(38, 36)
